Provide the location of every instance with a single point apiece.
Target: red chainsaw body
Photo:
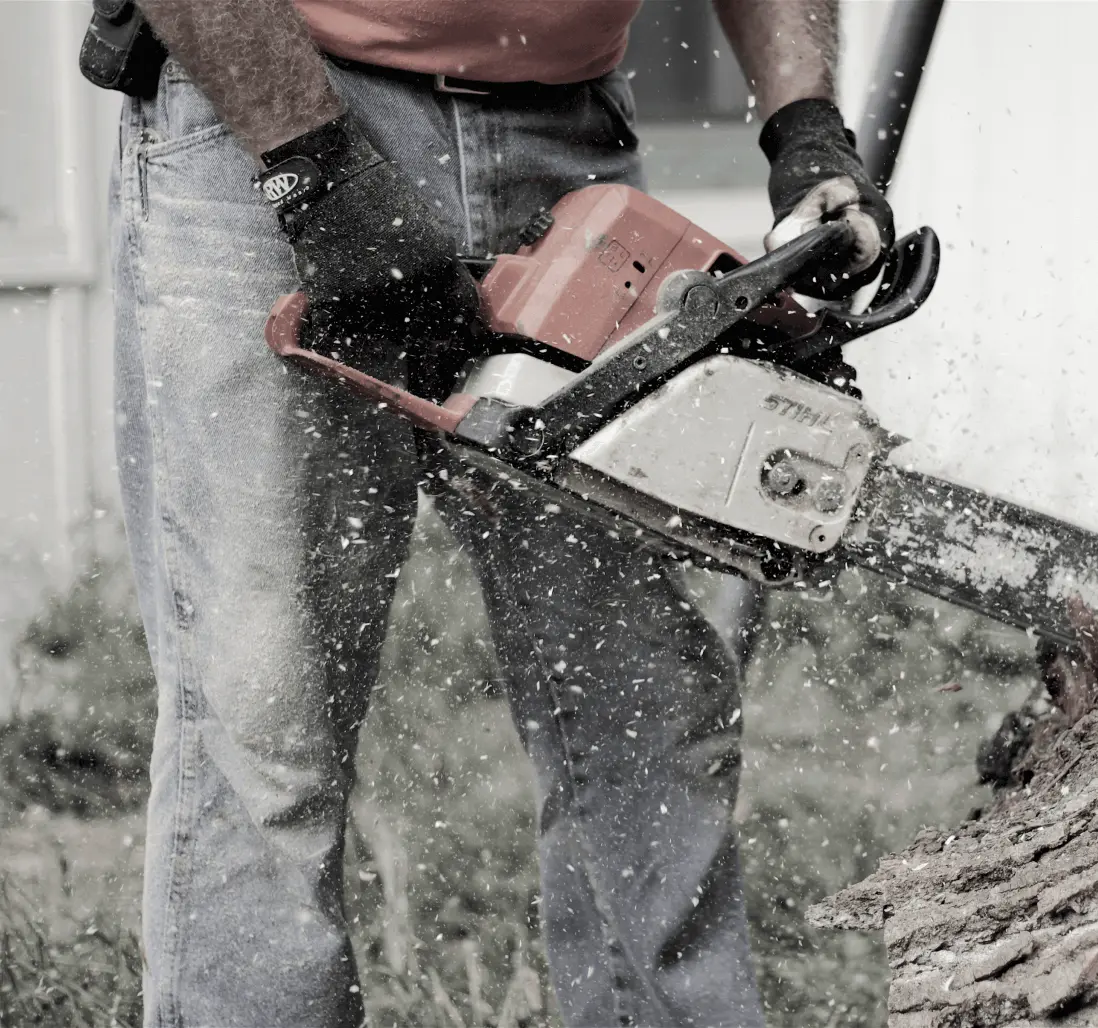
(595, 274)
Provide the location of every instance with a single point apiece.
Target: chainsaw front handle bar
(910, 271)
(785, 264)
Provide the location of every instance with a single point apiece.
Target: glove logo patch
(281, 185)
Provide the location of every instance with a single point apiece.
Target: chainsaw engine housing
(595, 273)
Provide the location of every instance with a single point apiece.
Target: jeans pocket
(614, 95)
(181, 117)
(178, 149)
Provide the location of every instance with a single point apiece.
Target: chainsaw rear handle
(283, 335)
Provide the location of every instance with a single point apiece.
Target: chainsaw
(635, 369)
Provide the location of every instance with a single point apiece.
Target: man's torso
(491, 40)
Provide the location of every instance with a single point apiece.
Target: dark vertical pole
(894, 84)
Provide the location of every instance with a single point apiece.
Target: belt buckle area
(443, 86)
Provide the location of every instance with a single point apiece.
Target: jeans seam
(181, 144)
(610, 935)
(132, 181)
(462, 175)
(168, 1010)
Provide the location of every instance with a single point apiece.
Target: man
(386, 134)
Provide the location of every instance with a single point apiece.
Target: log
(995, 924)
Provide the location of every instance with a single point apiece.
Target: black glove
(816, 175)
(374, 261)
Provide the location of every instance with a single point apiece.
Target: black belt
(473, 88)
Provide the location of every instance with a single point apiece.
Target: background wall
(994, 377)
(56, 460)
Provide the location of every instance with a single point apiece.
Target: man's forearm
(787, 48)
(254, 60)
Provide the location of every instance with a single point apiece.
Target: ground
(864, 711)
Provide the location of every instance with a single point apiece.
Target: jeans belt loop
(442, 86)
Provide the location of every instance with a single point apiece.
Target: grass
(56, 973)
(849, 749)
(80, 733)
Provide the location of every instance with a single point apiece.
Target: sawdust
(1063, 582)
(991, 553)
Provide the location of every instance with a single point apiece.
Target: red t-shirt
(491, 40)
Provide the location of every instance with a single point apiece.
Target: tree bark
(996, 923)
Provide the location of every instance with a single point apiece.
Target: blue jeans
(240, 478)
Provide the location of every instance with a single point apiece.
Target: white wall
(56, 465)
(995, 376)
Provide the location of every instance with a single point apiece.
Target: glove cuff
(313, 163)
(813, 118)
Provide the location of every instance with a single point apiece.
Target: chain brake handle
(910, 271)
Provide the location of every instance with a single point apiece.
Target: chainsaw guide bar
(1007, 562)
(1011, 563)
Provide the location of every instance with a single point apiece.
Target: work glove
(816, 175)
(374, 261)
